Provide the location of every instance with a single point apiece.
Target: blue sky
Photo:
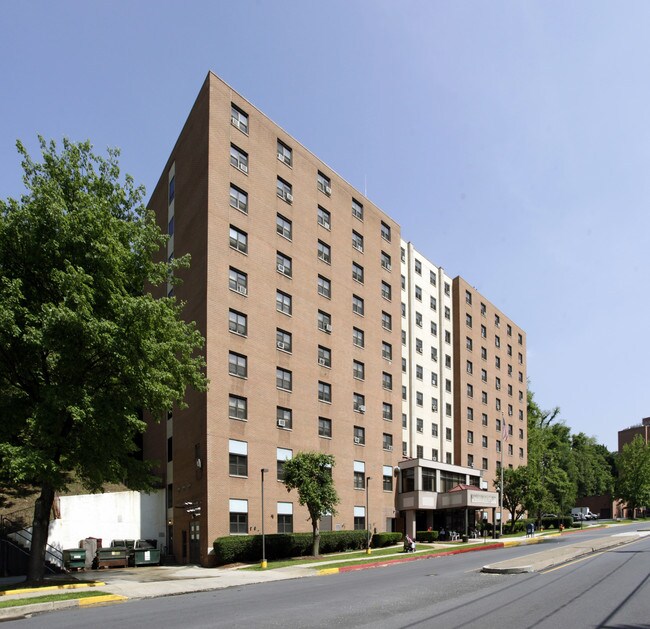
(511, 140)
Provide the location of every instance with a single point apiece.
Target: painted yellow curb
(98, 600)
(50, 588)
(328, 571)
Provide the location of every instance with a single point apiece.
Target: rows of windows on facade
(238, 283)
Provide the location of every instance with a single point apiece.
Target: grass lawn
(48, 598)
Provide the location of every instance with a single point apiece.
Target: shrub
(379, 540)
(236, 548)
(426, 536)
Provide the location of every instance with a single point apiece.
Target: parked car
(549, 515)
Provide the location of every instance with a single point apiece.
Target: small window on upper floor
(324, 252)
(239, 118)
(357, 209)
(447, 289)
(357, 241)
(418, 267)
(418, 293)
(238, 199)
(402, 254)
(483, 309)
(239, 158)
(283, 264)
(172, 189)
(385, 261)
(324, 218)
(497, 321)
(385, 231)
(468, 298)
(386, 291)
(357, 272)
(238, 239)
(432, 278)
(283, 226)
(285, 154)
(284, 190)
(447, 313)
(323, 183)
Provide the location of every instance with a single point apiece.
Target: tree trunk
(40, 530)
(315, 549)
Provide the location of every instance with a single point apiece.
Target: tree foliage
(633, 484)
(310, 473)
(84, 350)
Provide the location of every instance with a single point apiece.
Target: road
(607, 590)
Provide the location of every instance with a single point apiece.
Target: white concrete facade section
(427, 367)
(109, 516)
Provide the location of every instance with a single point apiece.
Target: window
(387, 474)
(385, 231)
(283, 264)
(419, 425)
(238, 459)
(509, 350)
(357, 272)
(497, 362)
(447, 289)
(510, 412)
(470, 367)
(238, 199)
(359, 402)
(521, 415)
(432, 278)
(237, 365)
(283, 379)
(238, 517)
(448, 434)
(497, 383)
(484, 419)
(483, 309)
(497, 321)
(237, 322)
(497, 341)
(283, 226)
(520, 376)
(285, 517)
(285, 154)
(418, 267)
(448, 413)
(498, 404)
(324, 356)
(484, 397)
(470, 436)
(403, 337)
(434, 379)
(434, 430)
(324, 252)
(324, 287)
(357, 241)
(359, 476)
(468, 297)
(387, 381)
(434, 354)
(359, 518)
(434, 328)
(358, 370)
(324, 392)
(448, 361)
(359, 435)
(239, 118)
(468, 320)
(434, 406)
(470, 413)
(283, 302)
(470, 390)
(447, 313)
(284, 190)
(238, 158)
(484, 441)
(483, 375)
(386, 321)
(483, 331)
(470, 460)
(521, 433)
(419, 451)
(284, 417)
(510, 449)
(497, 425)
(483, 353)
(433, 303)
(520, 339)
(324, 427)
(324, 218)
(403, 420)
(238, 240)
(386, 350)
(358, 337)
(238, 281)
(419, 372)
(520, 358)
(357, 305)
(172, 190)
(324, 322)
(385, 291)
(385, 261)
(387, 411)
(283, 340)
(323, 183)
(357, 209)
(237, 407)
(419, 398)
(282, 455)
(448, 458)
(170, 449)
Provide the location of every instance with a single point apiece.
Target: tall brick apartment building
(295, 284)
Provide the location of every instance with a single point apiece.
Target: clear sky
(511, 141)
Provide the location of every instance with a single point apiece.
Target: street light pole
(368, 478)
(263, 566)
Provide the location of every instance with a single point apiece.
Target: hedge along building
(294, 283)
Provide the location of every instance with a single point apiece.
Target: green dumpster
(112, 557)
(145, 554)
(74, 559)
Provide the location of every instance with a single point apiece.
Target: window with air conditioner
(239, 158)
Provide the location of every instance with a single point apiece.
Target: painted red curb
(456, 551)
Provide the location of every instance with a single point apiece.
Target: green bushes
(236, 548)
(426, 536)
(379, 540)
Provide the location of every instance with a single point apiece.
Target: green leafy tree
(310, 473)
(593, 466)
(84, 348)
(516, 491)
(633, 484)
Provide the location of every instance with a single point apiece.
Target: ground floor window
(238, 517)
(285, 523)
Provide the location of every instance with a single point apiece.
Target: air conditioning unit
(322, 362)
(243, 167)
(282, 268)
(199, 463)
(234, 121)
(281, 157)
(242, 290)
(362, 409)
(357, 440)
(282, 423)
(280, 345)
(435, 458)
(328, 327)
(389, 448)
(387, 266)
(289, 197)
(328, 190)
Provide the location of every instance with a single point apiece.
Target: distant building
(627, 435)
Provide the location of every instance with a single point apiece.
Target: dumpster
(112, 557)
(74, 559)
(145, 554)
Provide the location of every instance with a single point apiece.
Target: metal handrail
(51, 552)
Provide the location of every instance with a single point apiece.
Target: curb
(50, 588)
(14, 613)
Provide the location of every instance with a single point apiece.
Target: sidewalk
(154, 581)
